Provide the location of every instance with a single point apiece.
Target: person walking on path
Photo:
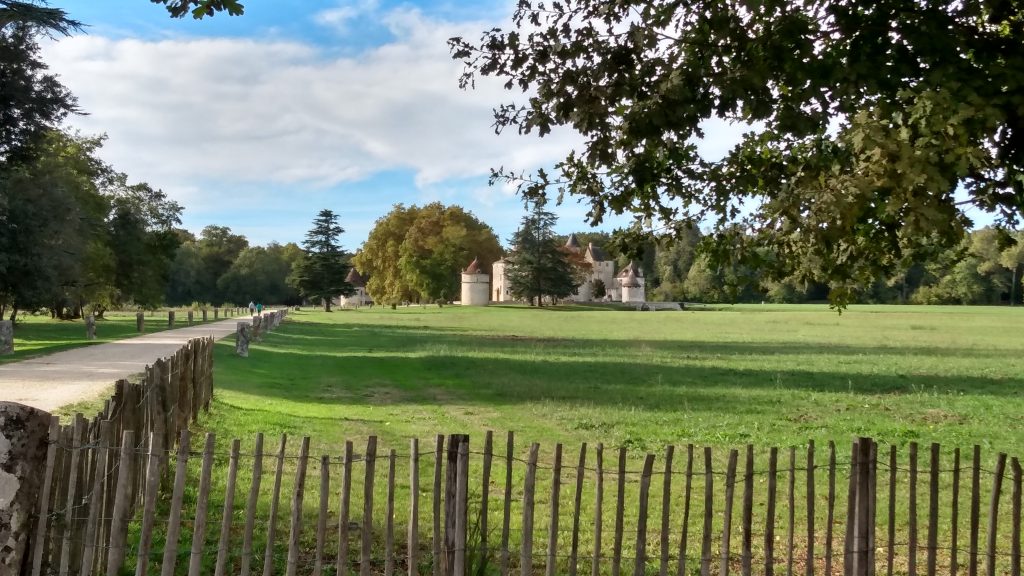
(252, 307)
(259, 308)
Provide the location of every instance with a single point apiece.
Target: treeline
(77, 236)
(986, 268)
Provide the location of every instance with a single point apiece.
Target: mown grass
(762, 375)
(36, 335)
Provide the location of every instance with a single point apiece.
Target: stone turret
(631, 281)
(476, 285)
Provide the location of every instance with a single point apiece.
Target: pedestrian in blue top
(259, 308)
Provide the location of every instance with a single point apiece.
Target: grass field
(763, 375)
(39, 334)
(768, 375)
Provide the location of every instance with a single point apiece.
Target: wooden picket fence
(452, 511)
(90, 490)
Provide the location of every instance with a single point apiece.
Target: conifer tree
(538, 267)
(320, 273)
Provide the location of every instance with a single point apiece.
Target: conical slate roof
(630, 281)
(596, 254)
(631, 268)
(473, 268)
(355, 279)
(572, 242)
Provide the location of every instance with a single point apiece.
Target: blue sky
(258, 122)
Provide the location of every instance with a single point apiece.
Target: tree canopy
(869, 136)
(415, 254)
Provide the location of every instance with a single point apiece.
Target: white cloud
(239, 110)
(341, 16)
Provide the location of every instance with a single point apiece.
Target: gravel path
(49, 382)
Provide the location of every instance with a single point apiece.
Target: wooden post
(556, 485)
(367, 532)
(863, 529)
(620, 506)
(526, 551)
(413, 538)
(972, 568)
(954, 516)
(119, 520)
(1015, 519)
(598, 509)
(346, 501)
(298, 495)
(389, 519)
(730, 490)
(148, 509)
(809, 564)
(43, 511)
(224, 544)
(438, 535)
(507, 510)
(268, 553)
(831, 506)
(684, 531)
(912, 514)
(202, 500)
(174, 516)
(666, 509)
(77, 431)
(746, 555)
(791, 511)
(993, 515)
(485, 493)
(933, 510)
(709, 498)
(450, 501)
(640, 564)
(769, 522)
(891, 544)
(250, 506)
(577, 505)
(461, 508)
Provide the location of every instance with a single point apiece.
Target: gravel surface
(49, 382)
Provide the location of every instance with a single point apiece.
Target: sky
(258, 122)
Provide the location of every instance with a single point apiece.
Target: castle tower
(500, 290)
(631, 283)
(475, 285)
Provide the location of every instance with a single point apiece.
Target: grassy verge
(38, 335)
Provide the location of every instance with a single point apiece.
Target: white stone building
(361, 297)
(476, 285)
(602, 272)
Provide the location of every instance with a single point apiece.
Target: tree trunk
(327, 304)
(14, 314)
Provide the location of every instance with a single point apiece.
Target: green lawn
(35, 335)
(763, 375)
(768, 375)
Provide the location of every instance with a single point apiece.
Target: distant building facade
(626, 286)
(475, 285)
(361, 297)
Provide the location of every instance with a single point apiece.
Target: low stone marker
(24, 436)
(242, 340)
(140, 322)
(216, 313)
(90, 327)
(6, 338)
(204, 314)
(257, 329)
(170, 318)
(191, 317)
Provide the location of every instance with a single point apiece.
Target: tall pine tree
(538, 267)
(320, 273)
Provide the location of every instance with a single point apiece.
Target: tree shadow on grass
(350, 364)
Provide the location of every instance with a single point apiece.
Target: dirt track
(49, 382)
